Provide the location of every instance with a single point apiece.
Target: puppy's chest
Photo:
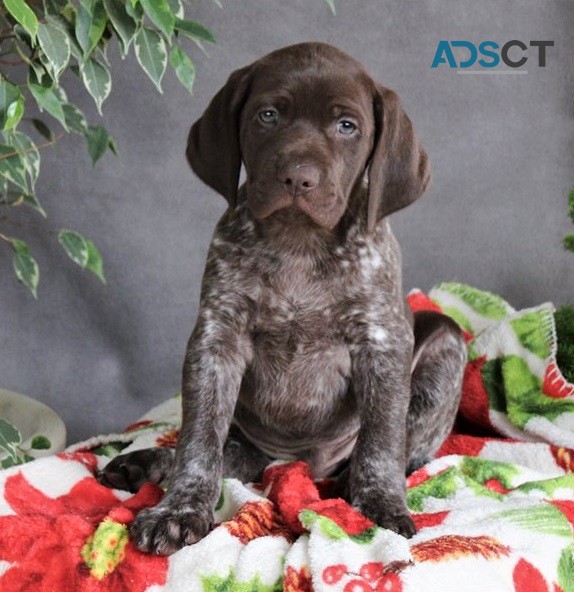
(295, 310)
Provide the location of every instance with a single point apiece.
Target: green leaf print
(545, 518)
(328, 527)
(442, 486)
(494, 384)
(229, 583)
(549, 486)
(457, 317)
(524, 396)
(566, 569)
(534, 332)
(482, 470)
(483, 303)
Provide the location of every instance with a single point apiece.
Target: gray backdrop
(501, 147)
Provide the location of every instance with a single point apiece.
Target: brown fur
(302, 346)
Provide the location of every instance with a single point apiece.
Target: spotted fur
(302, 347)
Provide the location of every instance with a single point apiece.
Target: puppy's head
(308, 123)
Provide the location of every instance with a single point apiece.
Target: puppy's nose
(299, 179)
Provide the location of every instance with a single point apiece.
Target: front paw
(388, 514)
(165, 529)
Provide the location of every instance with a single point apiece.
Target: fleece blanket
(494, 510)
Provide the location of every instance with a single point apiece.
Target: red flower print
(44, 539)
(528, 578)
(564, 458)
(475, 401)
(567, 508)
(427, 520)
(144, 423)
(297, 580)
(168, 439)
(419, 476)
(496, 486)
(419, 301)
(555, 384)
(453, 546)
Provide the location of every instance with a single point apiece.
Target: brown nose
(299, 179)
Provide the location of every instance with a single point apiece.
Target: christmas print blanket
(494, 510)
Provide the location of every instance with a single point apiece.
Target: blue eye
(268, 116)
(346, 127)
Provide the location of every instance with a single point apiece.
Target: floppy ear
(213, 143)
(399, 170)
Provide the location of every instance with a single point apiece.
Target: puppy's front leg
(214, 365)
(381, 379)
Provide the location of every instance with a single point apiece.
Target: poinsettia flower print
(43, 540)
(527, 578)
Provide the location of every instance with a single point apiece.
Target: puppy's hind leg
(242, 459)
(130, 471)
(439, 360)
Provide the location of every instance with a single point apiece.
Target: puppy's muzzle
(299, 179)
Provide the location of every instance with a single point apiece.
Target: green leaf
(95, 263)
(91, 20)
(48, 100)
(176, 8)
(56, 45)
(135, 10)
(75, 246)
(12, 166)
(32, 201)
(43, 129)
(151, 53)
(159, 12)
(75, 119)
(183, 67)
(19, 246)
(195, 31)
(10, 437)
(25, 266)
(29, 153)
(98, 141)
(97, 80)
(11, 105)
(40, 443)
(23, 14)
(124, 24)
(57, 7)
(331, 4)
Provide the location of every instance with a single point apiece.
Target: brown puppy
(302, 346)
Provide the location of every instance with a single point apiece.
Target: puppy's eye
(268, 116)
(346, 127)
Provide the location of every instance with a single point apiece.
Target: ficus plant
(40, 41)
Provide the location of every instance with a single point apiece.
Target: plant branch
(6, 239)
(35, 147)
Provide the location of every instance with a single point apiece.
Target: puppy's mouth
(323, 210)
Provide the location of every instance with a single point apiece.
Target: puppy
(303, 348)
